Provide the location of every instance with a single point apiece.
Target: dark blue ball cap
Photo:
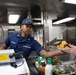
(27, 21)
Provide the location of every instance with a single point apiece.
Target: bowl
(63, 69)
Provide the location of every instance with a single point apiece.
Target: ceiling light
(13, 18)
(63, 20)
(70, 1)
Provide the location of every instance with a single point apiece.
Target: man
(23, 41)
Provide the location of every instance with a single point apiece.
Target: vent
(36, 15)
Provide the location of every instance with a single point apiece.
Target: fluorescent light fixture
(13, 18)
(64, 20)
(70, 1)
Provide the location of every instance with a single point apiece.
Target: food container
(63, 70)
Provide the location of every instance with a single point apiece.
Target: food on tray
(63, 44)
(63, 69)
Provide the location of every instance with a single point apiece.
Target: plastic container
(49, 67)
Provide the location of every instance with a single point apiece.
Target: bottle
(39, 62)
(43, 58)
(49, 67)
(36, 62)
(43, 69)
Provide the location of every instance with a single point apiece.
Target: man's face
(26, 29)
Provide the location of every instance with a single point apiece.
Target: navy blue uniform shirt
(27, 45)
